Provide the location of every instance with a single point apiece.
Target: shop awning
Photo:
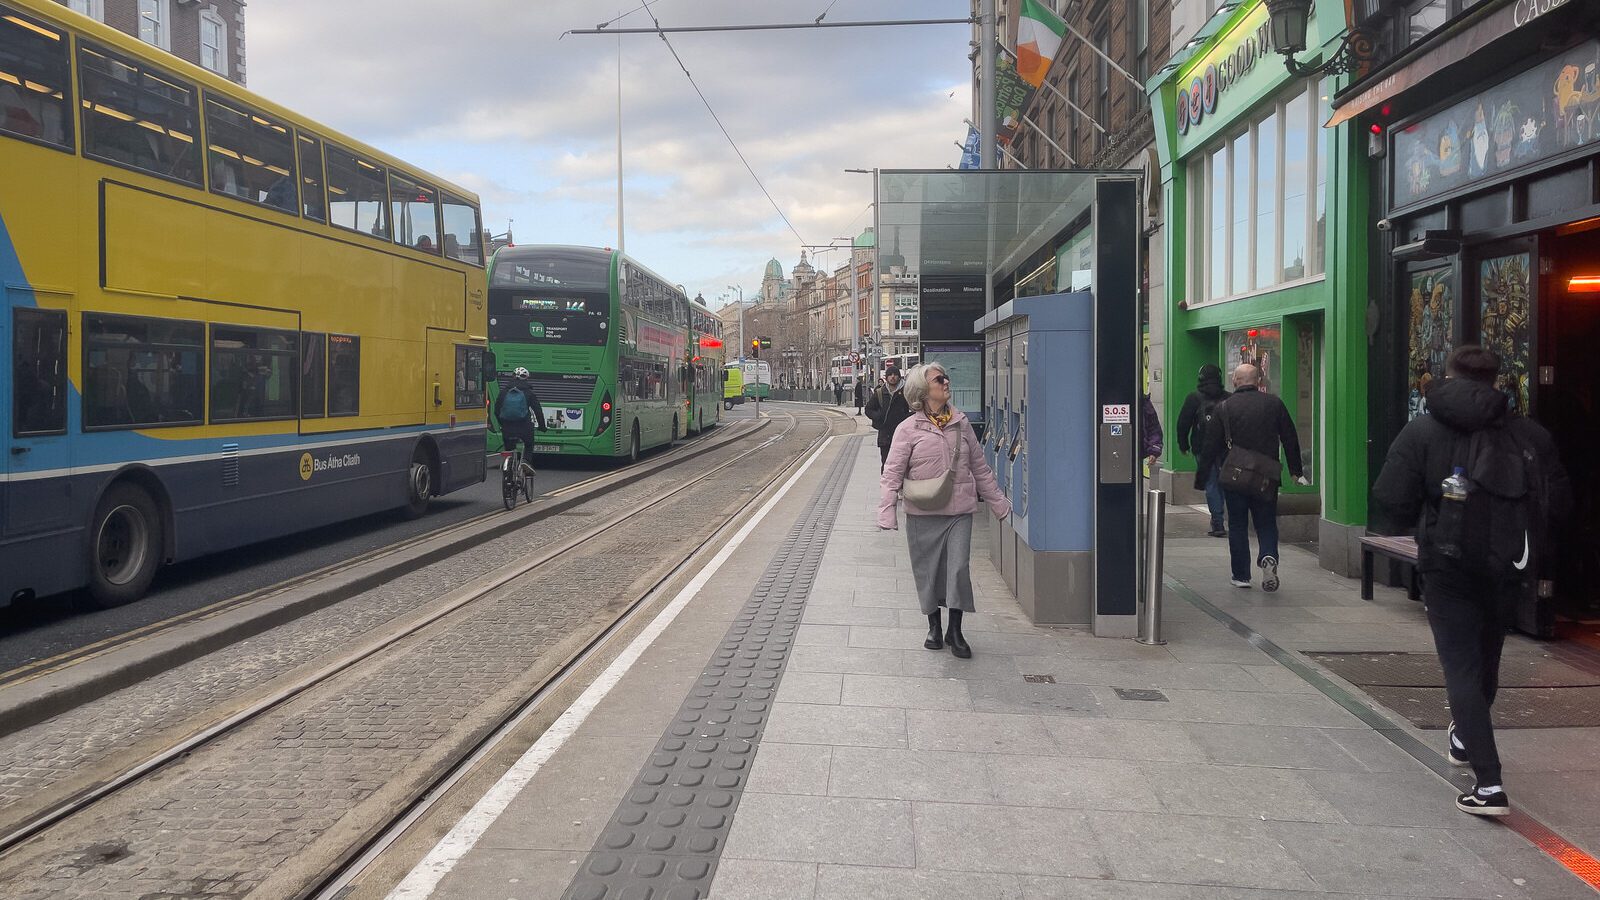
(1431, 60)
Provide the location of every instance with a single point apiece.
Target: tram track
(21, 707)
(438, 613)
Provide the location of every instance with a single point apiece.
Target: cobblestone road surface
(336, 760)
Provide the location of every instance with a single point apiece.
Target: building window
(1257, 205)
(1141, 38)
(214, 42)
(1102, 101)
(1424, 17)
(94, 9)
(155, 23)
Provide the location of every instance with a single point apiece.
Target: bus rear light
(605, 406)
(605, 415)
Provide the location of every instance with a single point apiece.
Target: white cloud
(491, 96)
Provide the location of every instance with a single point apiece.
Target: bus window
(35, 80)
(250, 156)
(39, 366)
(469, 377)
(416, 218)
(141, 372)
(313, 375)
(344, 375)
(463, 229)
(252, 373)
(358, 193)
(312, 202)
(138, 117)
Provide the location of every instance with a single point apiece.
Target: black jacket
(535, 411)
(1432, 445)
(1191, 418)
(1259, 422)
(887, 409)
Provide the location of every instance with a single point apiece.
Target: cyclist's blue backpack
(515, 406)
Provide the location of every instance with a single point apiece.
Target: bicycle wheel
(527, 487)
(508, 486)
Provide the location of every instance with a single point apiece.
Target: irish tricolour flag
(1039, 34)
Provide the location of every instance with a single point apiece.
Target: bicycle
(516, 476)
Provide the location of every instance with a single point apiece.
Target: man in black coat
(887, 408)
(1468, 610)
(1257, 421)
(1197, 411)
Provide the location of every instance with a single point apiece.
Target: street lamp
(1290, 19)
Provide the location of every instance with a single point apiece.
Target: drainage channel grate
(1536, 689)
(667, 835)
(1148, 696)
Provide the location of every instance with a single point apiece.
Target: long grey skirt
(941, 548)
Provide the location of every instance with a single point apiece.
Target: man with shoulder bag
(1245, 449)
(1486, 490)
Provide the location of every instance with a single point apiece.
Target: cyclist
(518, 411)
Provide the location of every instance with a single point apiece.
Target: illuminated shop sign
(1230, 59)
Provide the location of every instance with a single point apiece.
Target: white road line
(421, 881)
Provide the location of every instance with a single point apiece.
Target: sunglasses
(940, 379)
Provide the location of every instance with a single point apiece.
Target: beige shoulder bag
(935, 493)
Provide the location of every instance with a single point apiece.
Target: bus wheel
(124, 546)
(419, 484)
(633, 444)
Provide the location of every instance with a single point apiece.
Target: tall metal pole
(987, 124)
(875, 330)
(622, 246)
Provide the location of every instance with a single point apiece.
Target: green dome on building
(866, 240)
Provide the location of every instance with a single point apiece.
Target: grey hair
(916, 388)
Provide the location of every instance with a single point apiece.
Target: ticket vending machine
(1046, 449)
(1068, 367)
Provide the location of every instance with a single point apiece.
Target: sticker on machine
(1116, 414)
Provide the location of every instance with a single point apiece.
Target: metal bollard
(1155, 520)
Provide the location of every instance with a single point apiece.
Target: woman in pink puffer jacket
(940, 539)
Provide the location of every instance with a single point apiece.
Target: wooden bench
(1402, 550)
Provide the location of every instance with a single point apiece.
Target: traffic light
(755, 347)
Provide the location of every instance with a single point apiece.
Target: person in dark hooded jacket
(1468, 612)
(1192, 420)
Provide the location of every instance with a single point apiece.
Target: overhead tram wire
(825, 12)
(714, 117)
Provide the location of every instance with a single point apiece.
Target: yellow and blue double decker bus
(706, 352)
(221, 322)
(606, 343)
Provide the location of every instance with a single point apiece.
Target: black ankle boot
(933, 642)
(952, 636)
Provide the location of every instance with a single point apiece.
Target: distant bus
(843, 370)
(732, 385)
(757, 378)
(705, 354)
(220, 322)
(906, 361)
(607, 343)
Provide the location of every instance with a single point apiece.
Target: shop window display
(1432, 315)
(1504, 323)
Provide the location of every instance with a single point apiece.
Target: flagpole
(987, 124)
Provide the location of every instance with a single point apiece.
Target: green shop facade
(1266, 256)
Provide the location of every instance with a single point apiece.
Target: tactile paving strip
(666, 836)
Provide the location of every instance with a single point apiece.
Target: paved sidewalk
(891, 771)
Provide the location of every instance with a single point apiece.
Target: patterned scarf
(941, 419)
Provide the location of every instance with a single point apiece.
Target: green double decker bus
(618, 356)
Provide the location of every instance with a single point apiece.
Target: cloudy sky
(492, 97)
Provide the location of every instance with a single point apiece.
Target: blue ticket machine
(1042, 447)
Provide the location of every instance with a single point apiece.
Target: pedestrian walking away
(861, 394)
(936, 463)
(838, 392)
(1487, 491)
(886, 409)
(1248, 428)
(1151, 439)
(1193, 419)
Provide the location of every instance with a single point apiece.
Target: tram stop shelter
(997, 262)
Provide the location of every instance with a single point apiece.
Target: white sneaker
(1239, 584)
(1269, 574)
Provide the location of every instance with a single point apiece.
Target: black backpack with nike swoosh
(1499, 531)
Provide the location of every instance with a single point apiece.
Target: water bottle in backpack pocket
(1449, 530)
(1490, 517)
